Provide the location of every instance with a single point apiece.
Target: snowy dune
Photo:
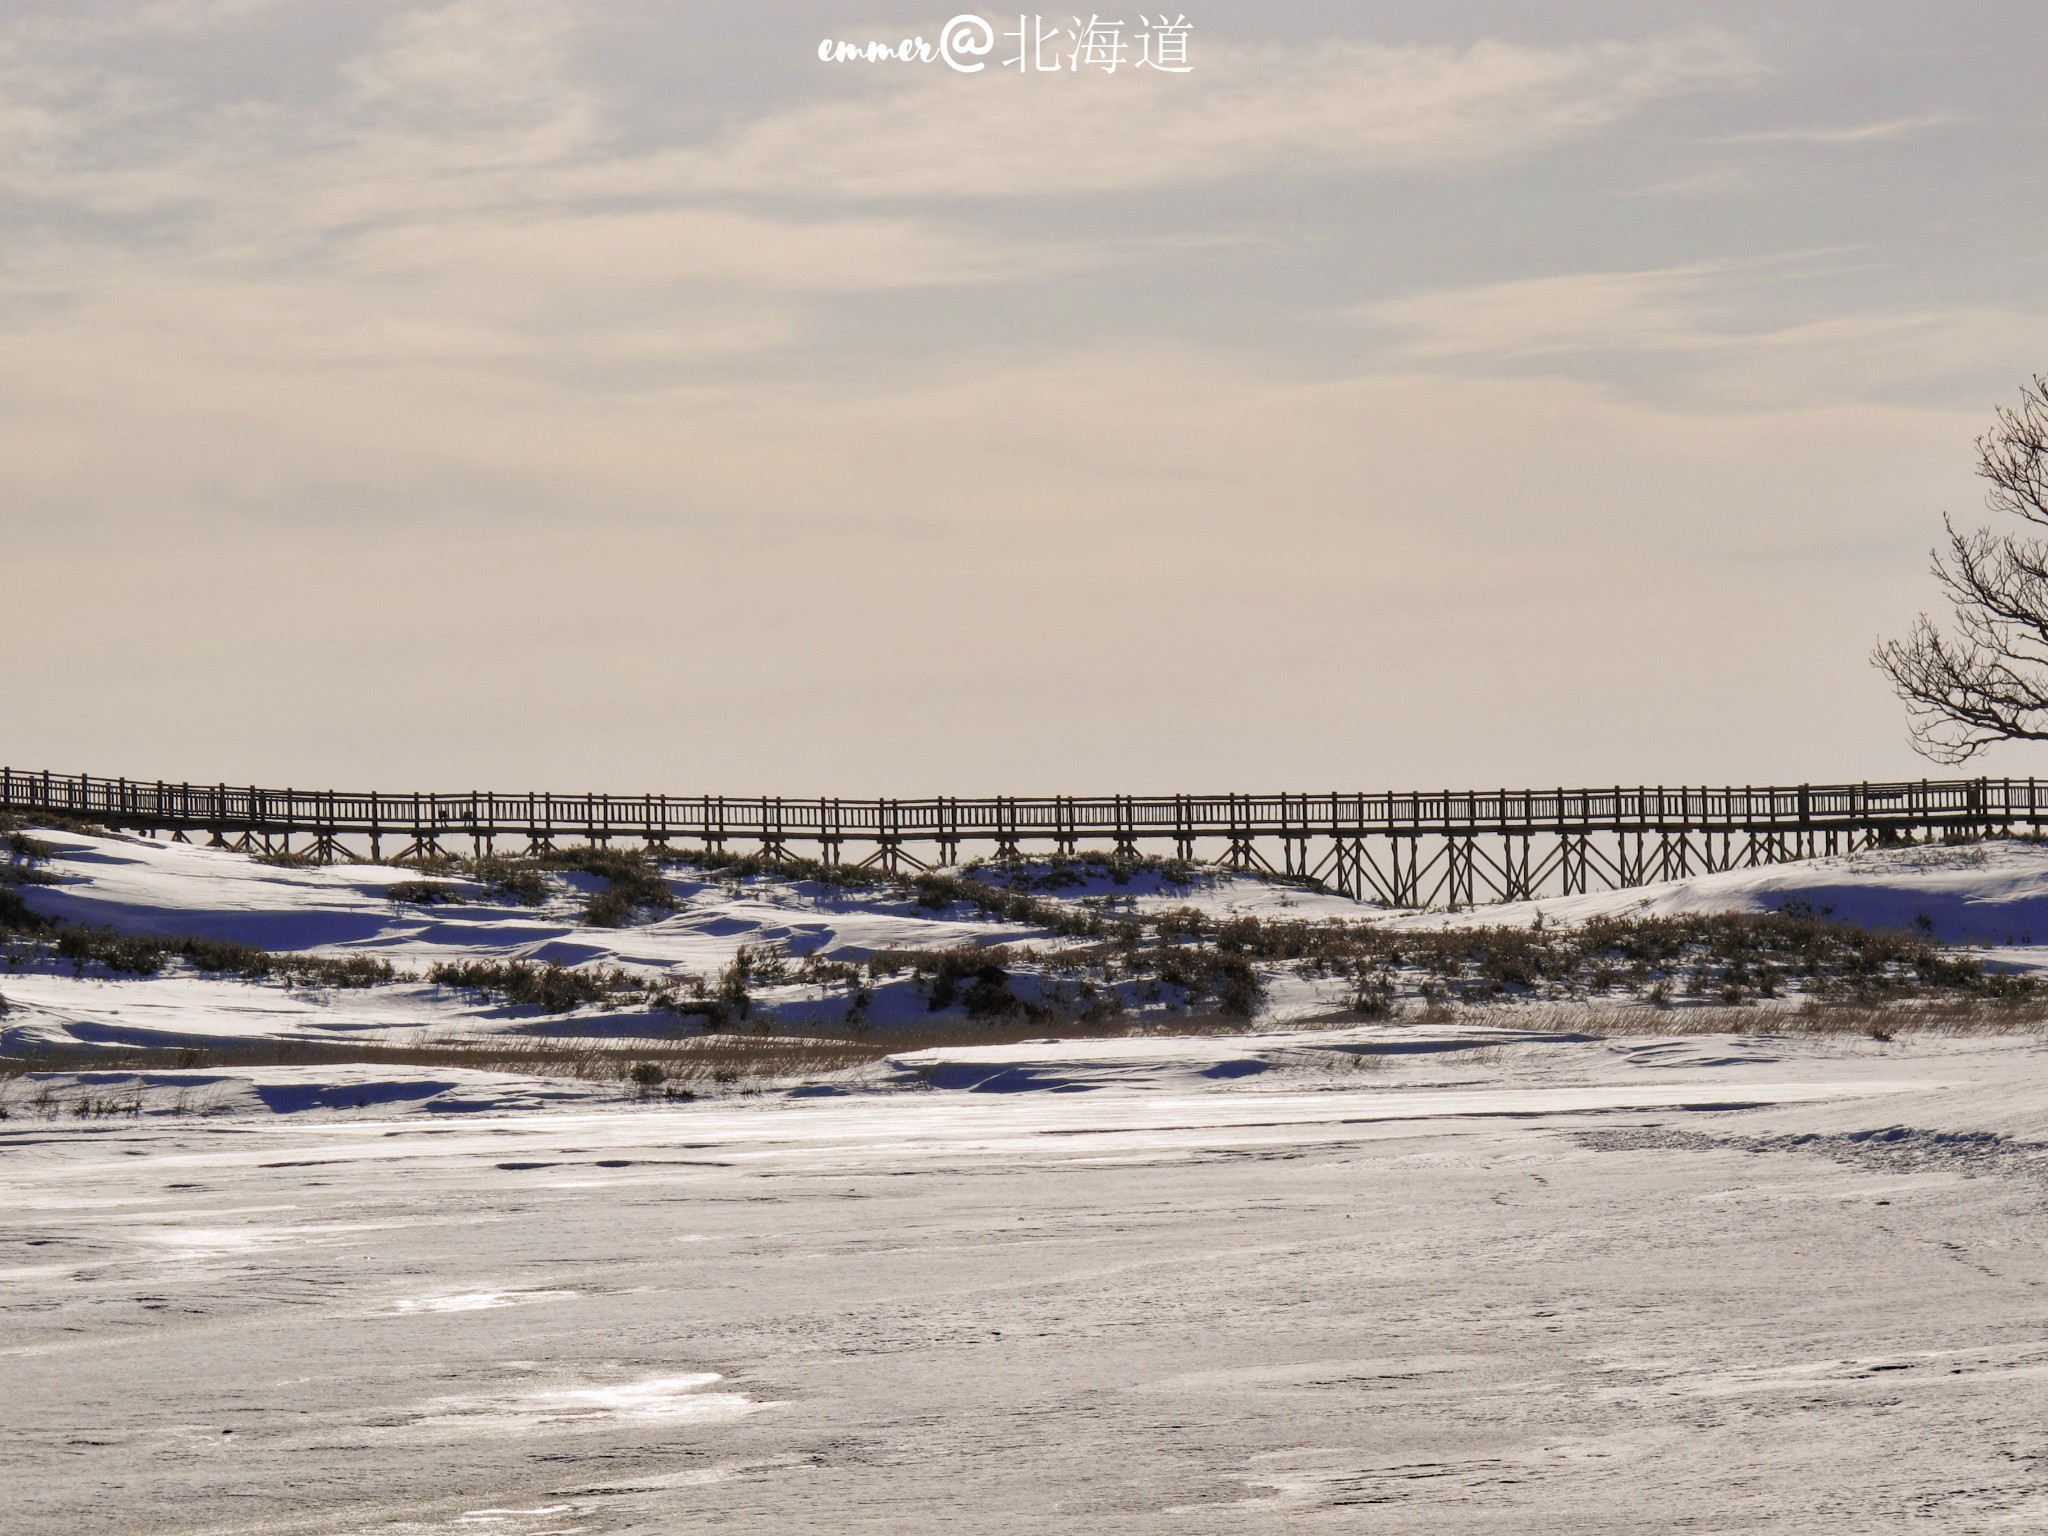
(1993, 895)
(144, 886)
(138, 886)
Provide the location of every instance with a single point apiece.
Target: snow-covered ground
(1992, 896)
(184, 890)
(1432, 1281)
(1402, 1277)
(180, 890)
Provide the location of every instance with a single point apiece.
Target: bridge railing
(130, 802)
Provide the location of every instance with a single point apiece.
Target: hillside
(551, 949)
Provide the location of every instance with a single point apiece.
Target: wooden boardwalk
(1406, 850)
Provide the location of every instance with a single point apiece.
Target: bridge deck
(1388, 846)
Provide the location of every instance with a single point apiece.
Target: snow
(273, 1090)
(1415, 1277)
(1992, 893)
(655, 1398)
(183, 890)
(180, 1008)
(1492, 1280)
(138, 885)
(478, 1301)
(154, 887)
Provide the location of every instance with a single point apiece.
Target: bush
(516, 879)
(347, 971)
(147, 954)
(426, 893)
(15, 916)
(1063, 871)
(633, 883)
(748, 866)
(990, 996)
(632, 880)
(29, 850)
(24, 854)
(550, 988)
(1373, 996)
(733, 1000)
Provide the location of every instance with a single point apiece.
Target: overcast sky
(525, 394)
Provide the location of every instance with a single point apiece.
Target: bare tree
(1987, 680)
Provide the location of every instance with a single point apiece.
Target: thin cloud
(1659, 309)
(1342, 105)
(1858, 133)
(128, 23)
(1718, 181)
(1701, 324)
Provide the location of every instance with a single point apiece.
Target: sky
(529, 394)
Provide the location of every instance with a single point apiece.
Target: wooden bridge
(1406, 850)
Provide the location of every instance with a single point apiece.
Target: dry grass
(1882, 1020)
(713, 1059)
(675, 1068)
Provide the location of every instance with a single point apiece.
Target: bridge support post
(1458, 870)
(1515, 878)
(1572, 862)
(1339, 865)
(1405, 888)
(1628, 859)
